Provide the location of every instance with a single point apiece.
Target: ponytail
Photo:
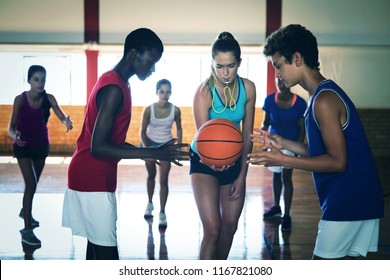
(46, 107)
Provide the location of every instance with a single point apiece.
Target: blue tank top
(284, 121)
(355, 194)
(236, 115)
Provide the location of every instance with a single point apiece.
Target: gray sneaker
(149, 210)
(28, 237)
(274, 212)
(162, 220)
(34, 223)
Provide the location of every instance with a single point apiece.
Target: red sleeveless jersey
(87, 173)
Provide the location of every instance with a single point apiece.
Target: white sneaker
(162, 220)
(148, 210)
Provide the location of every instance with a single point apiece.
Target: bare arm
(144, 124)
(266, 121)
(330, 114)
(237, 189)
(179, 130)
(110, 101)
(201, 105)
(17, 106)
(247, 124)
(65, 120)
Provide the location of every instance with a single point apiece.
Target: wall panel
(42, 21)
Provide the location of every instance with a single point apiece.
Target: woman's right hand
(17, 139)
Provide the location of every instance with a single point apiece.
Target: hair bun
(225, 35)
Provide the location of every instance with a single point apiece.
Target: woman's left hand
(237, 190)
(68, 123)
(219, 168)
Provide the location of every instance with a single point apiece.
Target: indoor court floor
(141, 239)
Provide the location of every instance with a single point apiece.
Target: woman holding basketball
(220, 192)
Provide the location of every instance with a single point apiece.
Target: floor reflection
(277, 242)
(163, 246)
(29, 251)
(150, 244)
(150, 248)
(255, 239)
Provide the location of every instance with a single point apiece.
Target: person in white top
(157, 128)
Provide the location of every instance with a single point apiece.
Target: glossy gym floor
(140, 239)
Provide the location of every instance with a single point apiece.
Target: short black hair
(290, 39)
(142, 39)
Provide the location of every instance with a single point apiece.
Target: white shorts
(279, 169)
(340, 239)
(92, 215)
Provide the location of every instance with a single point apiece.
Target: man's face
(285, 71)
(144, 64)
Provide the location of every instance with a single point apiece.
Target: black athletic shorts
(224, 177)
(34, 153)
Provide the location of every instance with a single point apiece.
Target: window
(66, 75)
(184, 66)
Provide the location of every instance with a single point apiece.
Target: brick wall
(375, 122)
(377, 126)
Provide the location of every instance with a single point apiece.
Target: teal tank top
(236, 115)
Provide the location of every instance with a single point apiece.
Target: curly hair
(290, 39)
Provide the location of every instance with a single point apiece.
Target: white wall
(335, 22)
(353, 35)
(176, 21)
(342, 22)
(354, 40)
(42, 21)
(360, 71)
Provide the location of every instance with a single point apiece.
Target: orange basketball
(219, 142)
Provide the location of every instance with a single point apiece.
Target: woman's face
(37, 81)
(225, 66)
(164, 92)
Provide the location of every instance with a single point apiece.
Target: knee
(229, 227)
(151, 175)
(211, 234)
(164, 184)
(30, 186)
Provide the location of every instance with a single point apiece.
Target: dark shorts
(224, 177)
(29, 152)
(151, 144)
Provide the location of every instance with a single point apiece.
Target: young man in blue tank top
(337, 153)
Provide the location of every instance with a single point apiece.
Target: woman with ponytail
(220, 192)
(28, 129)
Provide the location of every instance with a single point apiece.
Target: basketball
(219, 142)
